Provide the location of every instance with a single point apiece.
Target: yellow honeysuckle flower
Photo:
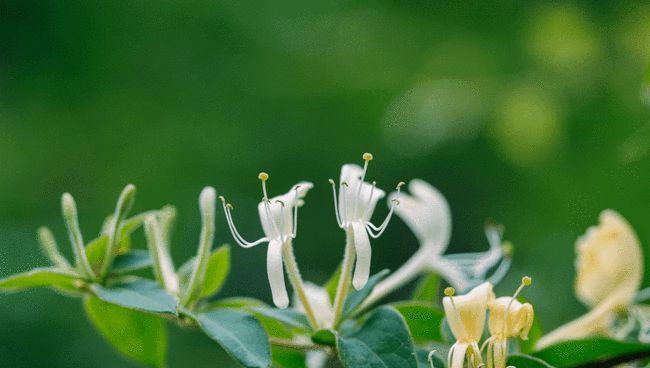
(466, 317)
(508, 318)
(609, 268)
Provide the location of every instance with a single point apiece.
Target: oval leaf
(599, 351)
(382, 341)
(132, 261)
(423, 319)
(239, 334)
(527, 361)
(356, 297)
(137, 335)
(140, 294)
(39, 277)
(216, 271)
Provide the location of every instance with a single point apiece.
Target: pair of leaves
(383, 340)
(216, 272)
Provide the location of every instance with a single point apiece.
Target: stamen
(281, 226)
(449, 292)
(267, 209)
(227, 207)
(336, 206)
(367, 157)
(372, 192)
(525, 281)
(381, 228)
(294, 227)
(344, 201)
(263, 177)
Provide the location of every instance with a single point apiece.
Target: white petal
(275, 272)
(363, 251)
(427, 213)
(282, 217)
(466, 315)
(458, 355)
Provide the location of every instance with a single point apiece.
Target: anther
(279, 201)
(450, 291)
(507, 248)
(222, 199)
(229, 206)
(331, 181)
(400, 184)
(526, 280)
(367, 156)
(345, 184)
(263, 176)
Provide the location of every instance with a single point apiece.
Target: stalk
(296, 281)
(343, 287)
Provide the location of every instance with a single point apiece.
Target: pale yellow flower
(466, 317)
(609, 268)
(508, 318)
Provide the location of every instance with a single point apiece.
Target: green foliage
(239, 334)
(427, 288)
(137, 293)
(134, 260)
(382, 341)
(598, 351)
(216, 272)
(324, 337)
(356, 297)
(423, 320)
(137, 335)
(39, 277)
(527, 361)
(287, 358)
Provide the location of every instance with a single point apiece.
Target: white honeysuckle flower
(426, 212)
(466, 317)
(609, 268)
(279, 218)
(354, 206)
(508, 318)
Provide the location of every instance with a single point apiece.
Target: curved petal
(458, 355)
(275, 272)
(362, 247)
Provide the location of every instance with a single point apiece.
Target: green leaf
(598, 351)
(527, 361)
(289, 317)
(233, 303)
(382, 341)
(137, 293)
(287, 358)
(324, 337)
(96, 250)
(132, 261)
(423, 320)
(427, 288)
(356, 297)
(39, 277)
(240, 335)
(137, 335)
(216, 271)
(333, 283)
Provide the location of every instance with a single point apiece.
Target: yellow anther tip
(526, 280)
(229, 206)
(450, 291)
(507, 248)
(331, 181)
(222, 199)
(400, 184)
(263, 176)
(367, 156)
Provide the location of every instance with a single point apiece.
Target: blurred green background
(532, 115)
